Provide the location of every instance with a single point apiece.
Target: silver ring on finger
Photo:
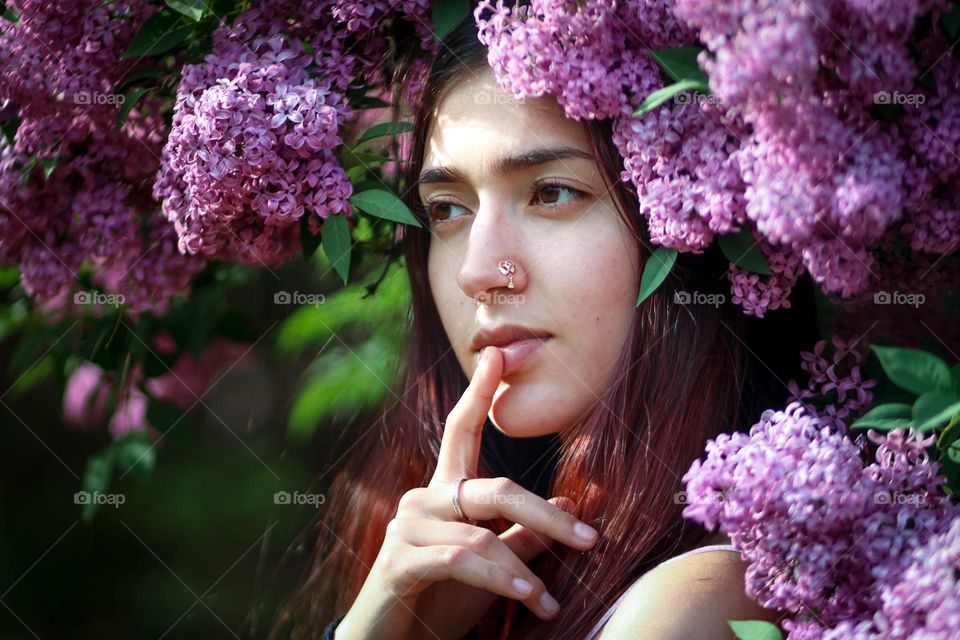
(457, 509)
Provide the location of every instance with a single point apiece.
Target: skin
(580, 266)
(436, 575)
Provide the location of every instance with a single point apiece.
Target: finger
(451, 562)
(460, 446)
(483, 542)
(526, 543)
(489, 498)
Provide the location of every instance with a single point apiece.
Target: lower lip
(516, 353)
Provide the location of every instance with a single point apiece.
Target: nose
(492, 239)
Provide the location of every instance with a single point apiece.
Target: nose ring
(507, 268)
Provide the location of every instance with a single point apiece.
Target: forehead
(478, 122)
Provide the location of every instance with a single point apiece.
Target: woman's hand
(436, 572)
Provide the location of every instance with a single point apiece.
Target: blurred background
(196, 536)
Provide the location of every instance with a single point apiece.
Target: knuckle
(392, 561)
(495, 574)
(453, 556)
(409, 500)
(484, 540)
(394, 529)
(504, 485)
(561, 519)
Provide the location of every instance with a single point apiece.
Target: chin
(519, 413)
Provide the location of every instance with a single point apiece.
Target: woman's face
(577, 264)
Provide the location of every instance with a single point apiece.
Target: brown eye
(554, 194)
(441, 211)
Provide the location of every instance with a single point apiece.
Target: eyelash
(534, 190)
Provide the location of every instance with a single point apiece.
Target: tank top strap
(609, 612)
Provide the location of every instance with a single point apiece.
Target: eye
(553, 194)
(441, 211)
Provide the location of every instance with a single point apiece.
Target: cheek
(601, 292)
(453, 307)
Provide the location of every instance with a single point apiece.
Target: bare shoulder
(689, 598)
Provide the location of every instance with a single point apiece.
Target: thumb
(526, 543)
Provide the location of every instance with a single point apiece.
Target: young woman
(531, 373)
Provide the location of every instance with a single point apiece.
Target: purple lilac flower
(841, 535)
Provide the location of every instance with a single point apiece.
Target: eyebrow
(506, 164)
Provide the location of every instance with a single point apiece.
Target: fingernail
(486, 354)
(521, 586)
(585, 532)
(549, 605)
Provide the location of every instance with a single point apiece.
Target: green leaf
(660, 96)
(96, 479)
(893, 415)
(159, 34)
(135, 453)
(309, 242)
(680, 63)
(447, 14)
(34, 376)
(9, 13)
(336, 244)
(343, 383)
(384, 204)
(955, 377)
(143, 73)
(655, 271)
(163, 414)
(934, 408)
(27, 168)
(755, 630)
(193, 9)
(913, 369)
(951, 21)
(49, 165)
(742, 249)
(129, 101)
(10, 129)
(384, 129)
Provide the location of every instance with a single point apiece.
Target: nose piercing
(507, 268)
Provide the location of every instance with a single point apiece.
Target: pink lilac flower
(88, 388)
(251, 148)
(832, 530)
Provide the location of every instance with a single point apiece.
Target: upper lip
(504, 334)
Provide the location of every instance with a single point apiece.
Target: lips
(516, 342)
(516, 353)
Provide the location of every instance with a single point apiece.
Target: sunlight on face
(553, 216)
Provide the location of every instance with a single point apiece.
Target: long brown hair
(687, 373)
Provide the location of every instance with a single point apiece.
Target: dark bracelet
(330, 628)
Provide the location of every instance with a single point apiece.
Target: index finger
(460, 445)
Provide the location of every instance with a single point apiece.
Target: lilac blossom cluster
(88, 389)
(256, 125)
(790, 141)
(71, 185)
(851, 538)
